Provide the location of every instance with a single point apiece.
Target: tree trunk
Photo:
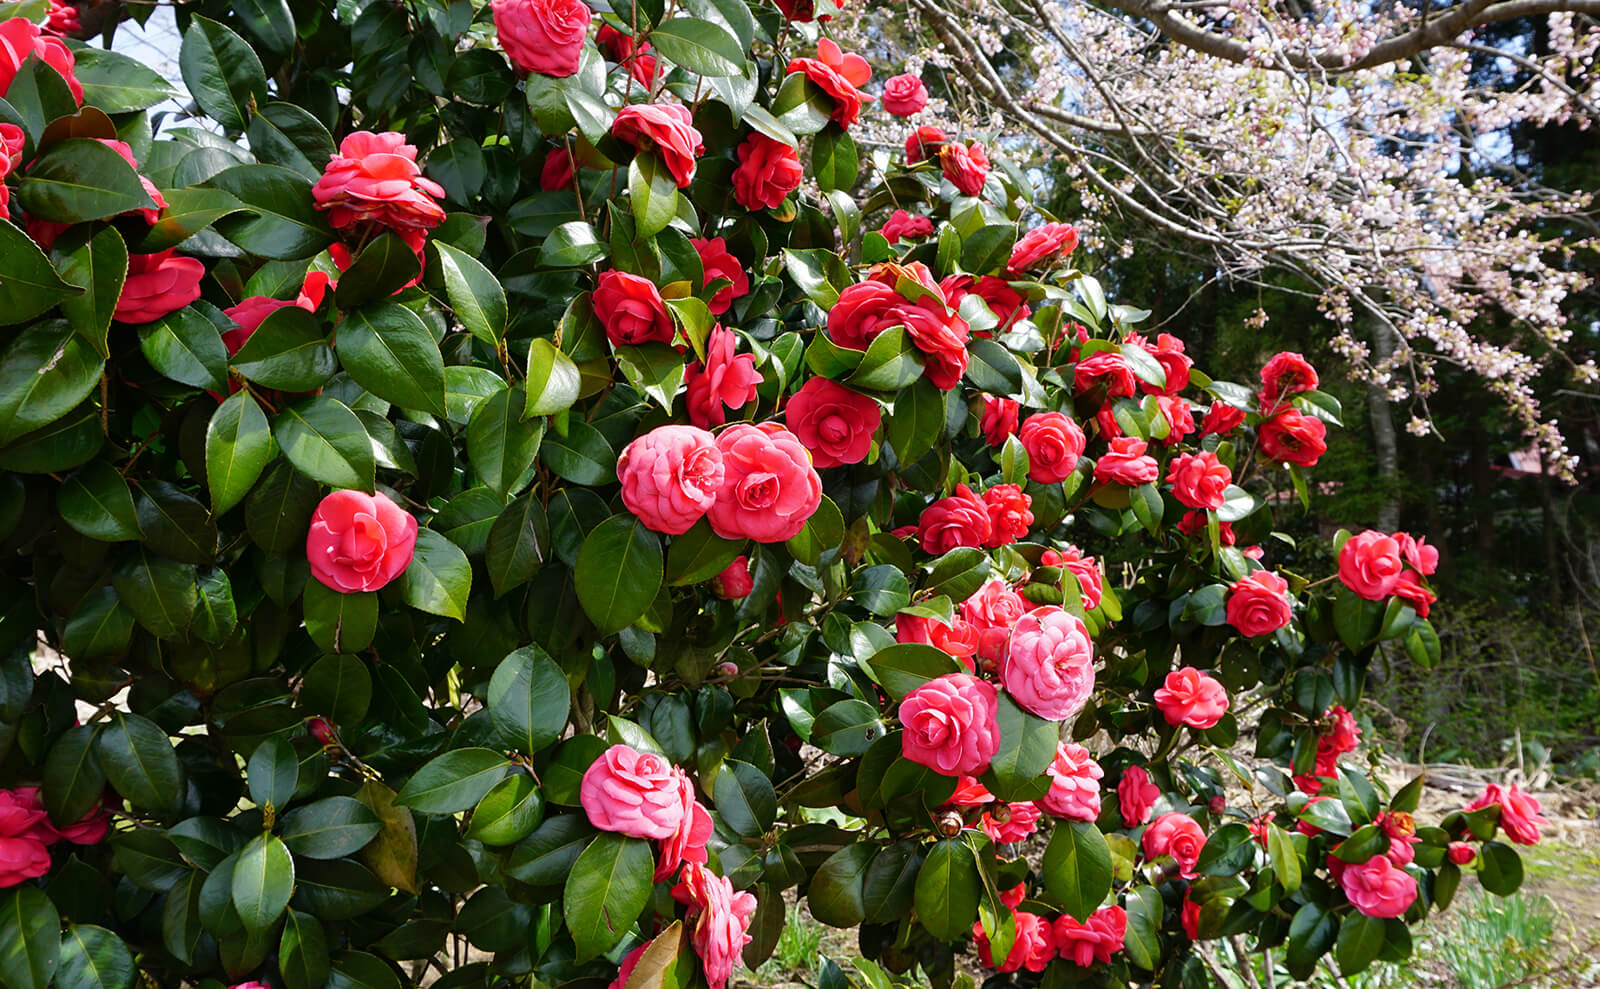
(1384, 444)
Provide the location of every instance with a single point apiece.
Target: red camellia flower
(628, 52)
(1369, 564)
(558, 170)
(1180, 421)
(864, 310)
(1169, 353)
(993, 611)
(923, 143)
(1189, 697)
(999, 420)
(718, 920)
(1421, 556)
(542, 36)
(1177, 835)
(719, 262)
(903, 225)
(24, 852)
(1199, 479)
(1084, 568)
(1378, 888)
(723, 382)
(1009, 515)
(1074, 792)
(63, 19)
(1220, 419)
(951, 724)
(940, 334)
(12, 140)
(835, 423)
(801, 11)
(374, 182)
(966, 166)
(905, 95)
(1054, 443)
(1285, 375)
(1259, 603)
(1010, 823)
(1104, 369)
(1095, 940)
(1294, 438)
(959, 639)
(1411, 591)
(959, 520)
(631, 309)
(667, 128)
(841, 75)
(1005, 302)
(768, 171)
(1194, 523)
(1043, 243)
(769, 488)
(1460, 852)
(734, 582)
(157, 284)
(670, 477)
(1136, 796)
(359, 542)
(1033, 948)
(1519, 812)
(1126, 464)
(19, 38)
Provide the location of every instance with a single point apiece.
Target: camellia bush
(513, 495)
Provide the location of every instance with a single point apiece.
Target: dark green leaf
(948, 889)
(94, 958)
(836, 894)
(186, 347)
(222, 72)
(238, 449)
(609, 885)
(388, 351)
(326, 442)
(98, 265)
(44, 373)
(98, 502)
(139, 762)
(453, 782)
(439, 578)
(618, 573)
(78, 180)
(699, 46)
(330, 828)
(288, 350)
(282, 224)
(30, 938)
(263, 881)
(1077, 868)
(475, 294)
(528, 699)
(29, 283)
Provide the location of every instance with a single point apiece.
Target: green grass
(1499, 941)
(797, 954)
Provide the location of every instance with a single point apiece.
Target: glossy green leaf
(329, 828)
(529, 700)
(98, 502)
(948, 889)
(288, 350)
(653, 193)
(609, 885)
(439, 578)
(98, 265)
(187, 347)
(500, 444)
(388, 351)
(30, 938)
(44, 373)
(29, 283)
(475, 295)
(139, 762)
(1077, 868)
(94, 958)
(281, 222)
(553, 381)
(222, 72)
(326, 442)
(618, 573)
(238, 447)
(453, 782)
(263, 881)
(700, 46)
(79, 180)
(271, 773)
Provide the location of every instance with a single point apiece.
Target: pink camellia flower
(1461, 853)
(768, 171)
(1369, 564)
(835, 423)
(1177, 835)
(631, 309)
(1199, 479)
(969, 793)
(359, 542)
(1103, 374)
(1519, 812)
(959, 520)
(950, 725)
(670, 477)
(903, 225)
(999, 420)
(1010, 823)
(1180, 421)
(1048, 666)
(625, 970)
(1126, 464)
(1412, 592)
(718, 920)
(734, 582)
(19, 38)
(1422, 557)
(1091, 585)
(250, 985)
(905, 95)
(966, 166)
(639, 794)
(542, 36)
(1136, 796)
(841, 75)
(374, 182)
(1054, 443)
(667, 128)
(1221, 419)
(1042, 243)
(629, 52)
(1095, 940)
(769, 488)
(1401, 829)
(923, 143)
(959, 639)
(1010, 514)
(1189, 697)
(1074, 792)
(723, 382)
(23, 853)
(719, 262)
(157, 285)
(1258, 604)
(993, 610)
(1033, 948)
(1378, 887)
(63, 19)
(1285, 375)
(688, 842)
(1293, 438)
